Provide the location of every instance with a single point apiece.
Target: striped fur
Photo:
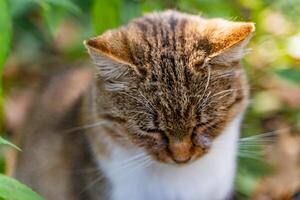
(163, 79)
(182, 96)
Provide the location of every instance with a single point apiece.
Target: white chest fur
(211, 177)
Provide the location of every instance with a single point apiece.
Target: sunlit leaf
(105, 14)
(5, 32)
(150, 5)
(53, 16)
(14, 190)
(246, 183)
(291, 74)
(130, 9)
(5, 142)
(5, 39)
(55, 10)
(67, 4)
(19, 7)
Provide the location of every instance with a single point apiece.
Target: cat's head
(173, 80)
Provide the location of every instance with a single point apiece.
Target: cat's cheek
(202, 140)
(198, 152)
(163, 156)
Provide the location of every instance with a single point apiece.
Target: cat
(160, 119)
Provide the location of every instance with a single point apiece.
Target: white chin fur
(211, 177)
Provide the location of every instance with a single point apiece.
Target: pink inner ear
(225, 34)
(91, 43)
(230, 47)
(113, 45)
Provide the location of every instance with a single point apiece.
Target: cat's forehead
(176, 36)
(171, 61)
(168, 36)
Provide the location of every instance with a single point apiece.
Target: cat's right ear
(111, 54)
(229, 40)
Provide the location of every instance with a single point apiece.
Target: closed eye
(156, 134)
(151, 130)
(203, 127)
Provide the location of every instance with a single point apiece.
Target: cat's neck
(127, 170)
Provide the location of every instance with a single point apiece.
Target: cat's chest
(166, 183)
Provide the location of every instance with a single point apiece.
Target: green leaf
(129, 10)
(19, 7)
(105, 14)
(14, 190)
(246, 183)
(291, 74)
(5, 32)
(66, 4)
(2, 161)
(5, 40)
(54, 12)
(152, 5)
(5, 142)
(53, 16)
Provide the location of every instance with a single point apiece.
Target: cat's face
(173, 81)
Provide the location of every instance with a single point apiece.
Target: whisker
(254, 146)
(253, 152)
(88, 126)
(224, 91)
(204, 101)
(245, 155)
(134, 97)
(98, 179)
(205, 88)
(251, 145)
(148, 102)
(145, 162)
(208, 78)
(264, 136)
(150, 108)
(135, 161)
(227, 74)
(133, 158)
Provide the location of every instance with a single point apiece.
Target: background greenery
(33, 32)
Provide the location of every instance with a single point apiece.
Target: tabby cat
(159, 120)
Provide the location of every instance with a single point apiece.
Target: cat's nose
(180, 150)
(182, 161)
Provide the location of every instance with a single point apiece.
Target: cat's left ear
(110, 44)
(111, 54)
(229, 40)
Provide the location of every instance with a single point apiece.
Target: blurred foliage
(5, 31)
(12, 189)
(5, 142)
(54, 29)
(5, 39)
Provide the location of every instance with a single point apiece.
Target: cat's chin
(164, 158)
(171, 162)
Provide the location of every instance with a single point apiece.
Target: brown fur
(168, 58)
(54, 162)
